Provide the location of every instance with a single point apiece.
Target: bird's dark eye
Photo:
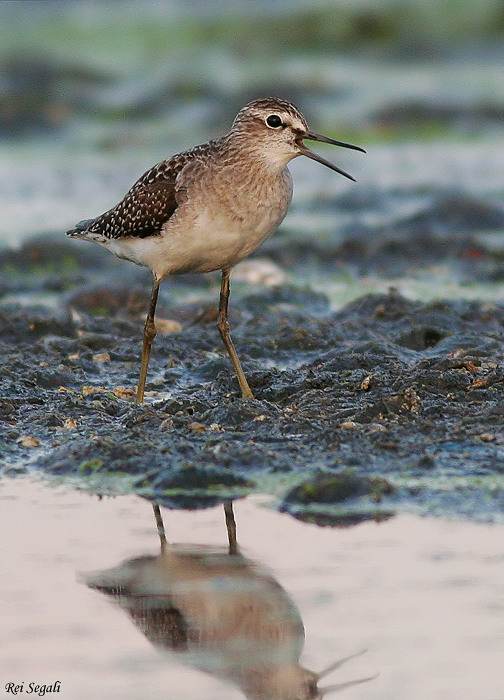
(274, 121)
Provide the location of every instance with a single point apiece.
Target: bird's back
(147, 205)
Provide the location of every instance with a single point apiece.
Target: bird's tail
(80, 228)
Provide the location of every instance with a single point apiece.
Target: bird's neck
(253, 152)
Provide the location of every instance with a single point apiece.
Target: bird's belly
(213, 243)
(199, 243)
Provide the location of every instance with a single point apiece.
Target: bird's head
(277, 130)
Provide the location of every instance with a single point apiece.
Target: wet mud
(385, 405)
(444, 227)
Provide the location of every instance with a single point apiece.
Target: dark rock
(335, 488)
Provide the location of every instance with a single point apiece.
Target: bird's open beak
(305, 151)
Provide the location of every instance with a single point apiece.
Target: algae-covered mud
(384, 405)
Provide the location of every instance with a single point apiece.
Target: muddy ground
(383, 406)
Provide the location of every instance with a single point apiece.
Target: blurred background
(94, 93)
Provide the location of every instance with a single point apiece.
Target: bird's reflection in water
(221, 613)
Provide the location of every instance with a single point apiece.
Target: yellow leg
(149, 335)
(159, 525)
(224, 331)
(231, 527)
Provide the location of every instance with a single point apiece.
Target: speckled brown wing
(145, 208)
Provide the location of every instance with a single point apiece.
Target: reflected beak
(340, 662)
(305, 151)
(340, 686)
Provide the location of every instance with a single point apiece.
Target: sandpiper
(209, 207)
(221, 613)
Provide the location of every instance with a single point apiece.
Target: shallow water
(424, 597)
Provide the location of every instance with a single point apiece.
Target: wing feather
(145, 208)
(149, 204)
